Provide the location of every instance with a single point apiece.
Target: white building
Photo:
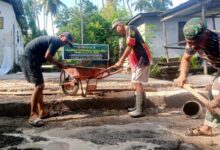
(174, 20)
(11, 42)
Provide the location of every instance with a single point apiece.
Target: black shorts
(31, 68)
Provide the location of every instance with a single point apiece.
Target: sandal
(196, 132)
(48, 114)
(36, 122)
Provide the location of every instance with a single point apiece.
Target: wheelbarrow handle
(107, 72)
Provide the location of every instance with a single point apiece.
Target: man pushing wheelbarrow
(140, 59)
(38, 51)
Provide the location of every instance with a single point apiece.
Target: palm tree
(35, 11)
(141, 5)
(123, 1)
(161, 4)
(52, 7)
(112, 2)
(103, 4)
(129, 7)
(152, 5)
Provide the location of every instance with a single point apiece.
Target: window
(18, 37)
(180, 33)
(1, 22)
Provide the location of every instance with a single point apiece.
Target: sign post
(96, 52)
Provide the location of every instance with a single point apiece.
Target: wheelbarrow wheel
(70, 85)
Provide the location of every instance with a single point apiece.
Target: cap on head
(194, 28)
(116, 22)
(69, 37)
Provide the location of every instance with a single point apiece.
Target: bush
(196, 62)
(155, 70)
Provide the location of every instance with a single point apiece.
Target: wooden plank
(22, 93)
(125, 89)
(16, 89)
(175, 63)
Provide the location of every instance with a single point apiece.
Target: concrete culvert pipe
(192, 109)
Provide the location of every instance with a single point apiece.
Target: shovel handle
(201, 98)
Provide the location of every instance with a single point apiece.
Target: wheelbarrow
(71, 78)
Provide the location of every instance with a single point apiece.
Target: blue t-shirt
(39, 46)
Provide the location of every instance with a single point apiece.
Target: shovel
(201, 98)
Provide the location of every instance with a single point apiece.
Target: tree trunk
(124, 4)
(52, 24)
(34, 10)
(44, 19)
(103, 4)
(38, 23)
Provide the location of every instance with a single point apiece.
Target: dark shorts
(31, 68)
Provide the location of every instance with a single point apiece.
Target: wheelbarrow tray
(79, 73)
(83, 73)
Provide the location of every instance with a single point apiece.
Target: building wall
(158, 36)
(10, 35)
(172, 26)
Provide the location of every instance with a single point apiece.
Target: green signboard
(86, 52)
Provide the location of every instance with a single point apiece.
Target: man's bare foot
(35, 121)
(48, 114)
(199, 131)
(43, 114)
(33, 116)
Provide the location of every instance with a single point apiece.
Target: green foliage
(152, 5)
(150, 30)
(195, 63)
(96, 25)
(16, 68)
(149, 34)
(63, 18)
(32, 27)
(155, 71)
(120, 13)
(52, 6)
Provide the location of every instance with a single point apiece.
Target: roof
(193, 8)
(19, 12)
(138, 19)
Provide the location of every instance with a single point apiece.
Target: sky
(70, 3)
(98, 3)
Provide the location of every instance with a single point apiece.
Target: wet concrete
(129, 137)
(8, 140)
(101, 130)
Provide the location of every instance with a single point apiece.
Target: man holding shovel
(37, 52)
(205, 42)
(139, 57)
